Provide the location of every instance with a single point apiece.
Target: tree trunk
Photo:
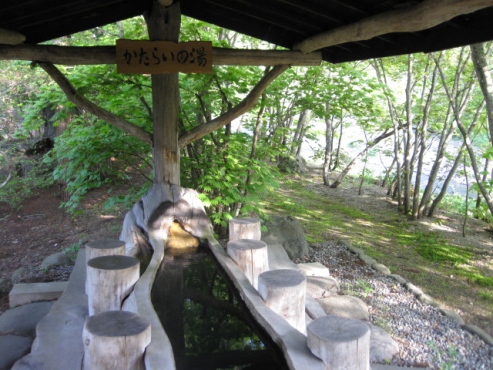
(328, 144)
(485, 81)
(423, 147)
(408, 142)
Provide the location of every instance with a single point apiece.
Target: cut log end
(340, 343)
(244, 228)
(115, 340)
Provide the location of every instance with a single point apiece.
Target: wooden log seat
(250, 256)
(110, 280)
(115, 340)
(244, 228)
(284, 292)
(341, 343)
(104, 247)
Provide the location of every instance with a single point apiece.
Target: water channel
(205, 319)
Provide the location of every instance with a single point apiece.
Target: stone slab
(24, 293)
(345, 306)
(313, 269)
(321, 287)
(12, 348)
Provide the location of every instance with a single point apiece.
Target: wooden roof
(281, 22)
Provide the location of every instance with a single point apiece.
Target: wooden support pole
(340, 343)
(283, 291)
(244, 228)
(164, 25)
(250, 256)
(115, 340)
(103, 247)
(110, 280)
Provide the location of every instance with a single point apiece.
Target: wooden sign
(147, 57)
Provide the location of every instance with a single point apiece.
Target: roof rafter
(425, 15)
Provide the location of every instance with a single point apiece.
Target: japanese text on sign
(135, 56)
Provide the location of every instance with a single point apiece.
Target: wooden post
(103, 247)
(250, 256)
(284, 292)
(244, 228)
(163, 24)
(110, 280)
(340, 343)
(115, 340)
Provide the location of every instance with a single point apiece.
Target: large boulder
(22, 320)
(295, 164)
(288, 232)
(57, 259)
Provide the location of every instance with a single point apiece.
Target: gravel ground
(426, 338)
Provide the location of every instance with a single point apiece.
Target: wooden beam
(426, 14)
(82, 103)
(244, 106)
(10, 37)
(88, 55)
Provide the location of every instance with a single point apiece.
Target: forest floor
(41, 228)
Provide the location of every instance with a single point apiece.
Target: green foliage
(73, 250)
(37, 176)
(230, 183)
(92, 155)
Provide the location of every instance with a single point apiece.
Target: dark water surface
(207, 323)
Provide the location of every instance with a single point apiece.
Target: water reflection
(208, 326)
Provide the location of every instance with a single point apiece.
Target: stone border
(418, 293)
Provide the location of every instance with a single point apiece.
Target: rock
(381, 268)
(426, 299)
(413, 289)
(453, 315)
(473, 329)
(5, 286)
(382, 346)
(398, 278)
(12, 348)
(58, 259)
(22, 320)
(180, 238)
(17, 274)
(345, 306)
(288, 232)
(367, 259)
(321, 287)
(292, 164)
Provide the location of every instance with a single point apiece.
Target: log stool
(110, 281)
(244, 228)
(341, 343)
(284, 292)
(115, 340)
(104, 247)
(250, 256)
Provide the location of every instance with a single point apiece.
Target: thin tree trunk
(370, 145)
(423, 134)
(485, 81)
(328, 144)
(408, 137)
